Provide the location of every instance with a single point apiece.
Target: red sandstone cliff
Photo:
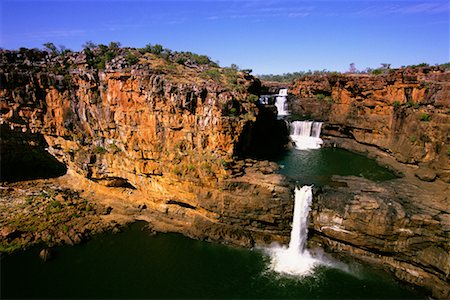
(167, 130)
(403, 118)
(406, 113)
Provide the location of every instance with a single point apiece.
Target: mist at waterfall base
(296, 260)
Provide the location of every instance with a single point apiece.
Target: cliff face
(167, 130)
(400, 225)
(405, 113)
(403, 118)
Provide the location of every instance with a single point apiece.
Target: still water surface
(318, 165)
(135, 264)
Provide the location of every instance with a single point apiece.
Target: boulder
(425, 175)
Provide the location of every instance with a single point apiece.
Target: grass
(320, 96)
(214, 74)
(412, 104)
(114, 148)
(396, 104)
(424, 117)
(100, 150)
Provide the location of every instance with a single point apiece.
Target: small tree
(89, 45)
(353, 69)
(51, 48)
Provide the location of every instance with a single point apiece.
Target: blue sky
(263, 35)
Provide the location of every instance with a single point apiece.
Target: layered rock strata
(400, 225)
(405, 113)
(402, 119)
(166, 130)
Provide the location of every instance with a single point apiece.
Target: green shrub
(412, 104)
(377, 71)
(214, 74)
(224, 163)
(181, 60)
(114, 148)
(396, 104)
(99, 150)
(177, 171)
(412, 138)
(252, 98)
(425, 117)
(320, 96)
(131, 59)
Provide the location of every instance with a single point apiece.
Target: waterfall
(306, 134)
(296, 259)
(302, 206)
(283, 92)
(281, 102)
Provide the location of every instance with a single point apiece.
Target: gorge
(174, 144)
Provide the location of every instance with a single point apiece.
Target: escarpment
(403, 119)
(164, 130)
(404, 113)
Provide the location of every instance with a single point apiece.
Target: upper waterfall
(281, 102)
(283, 92)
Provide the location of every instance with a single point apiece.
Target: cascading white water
(306, 134)
(302, 206)
(281, 102)
(283, 92)
(296, 259)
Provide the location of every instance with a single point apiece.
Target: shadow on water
(134, 264)
(319, 165)
(23, 157)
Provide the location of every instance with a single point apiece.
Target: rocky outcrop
(404, 113)
(403, 226)
(169, 131)
(401, 119)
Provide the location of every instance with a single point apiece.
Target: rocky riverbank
(70, 209)
(401, 119)
(49, 213)
(405, 113)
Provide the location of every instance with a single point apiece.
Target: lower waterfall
(296, 259)
(306, 134)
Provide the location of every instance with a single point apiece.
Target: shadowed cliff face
(405, 113)
(31, 162)
(167, 130)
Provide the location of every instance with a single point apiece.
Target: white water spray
(296, 259)
(306, 134)
(281, 102)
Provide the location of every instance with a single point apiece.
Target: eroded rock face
(168, 131)
(400, 225)
(405, 113)
(402, 119)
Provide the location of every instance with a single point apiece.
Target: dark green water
(134, 264)
(318, 165)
